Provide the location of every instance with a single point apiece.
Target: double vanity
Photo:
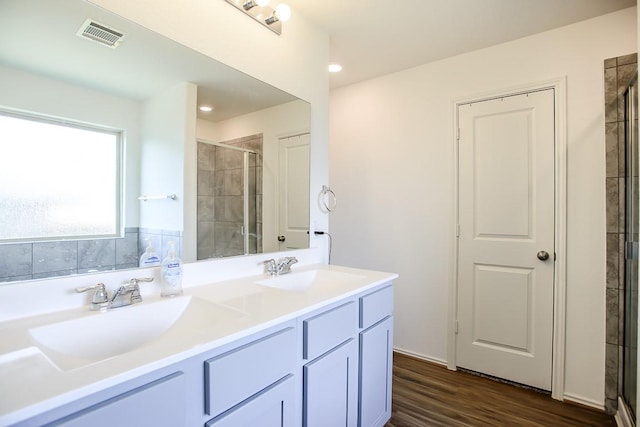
(308, 348)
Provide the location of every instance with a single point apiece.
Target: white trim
(560, 286)
(584, 401)
(623, 417)
(429, 359)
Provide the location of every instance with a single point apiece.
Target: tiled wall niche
(39, 260)
(617, 74)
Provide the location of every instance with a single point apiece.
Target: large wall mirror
(226, 182)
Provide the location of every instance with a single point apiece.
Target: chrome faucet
(284, 265)
(127, 294)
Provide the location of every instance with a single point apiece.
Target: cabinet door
(273, 407)
(161, 403)
(331, 388)
(376, 363)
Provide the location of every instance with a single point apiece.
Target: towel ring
(325, 199)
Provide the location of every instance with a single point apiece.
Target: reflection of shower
(228, 217)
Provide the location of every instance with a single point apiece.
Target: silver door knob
(543, 255)
(281, 238)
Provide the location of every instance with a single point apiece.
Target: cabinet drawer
(376, 306)
(273, 407)
(238, 374)
(328, 330)
(160, 403)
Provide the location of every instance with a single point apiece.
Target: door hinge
(457, 230)
(456, 329)
(458, 134)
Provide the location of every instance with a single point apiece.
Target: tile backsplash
(39, 260)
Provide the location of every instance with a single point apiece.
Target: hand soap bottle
(149, 258)
(171, 273)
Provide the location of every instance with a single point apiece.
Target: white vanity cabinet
(348, 362)
(161, 403)
(328, 366)
(376, 357)
(330, 373)
(253, 381)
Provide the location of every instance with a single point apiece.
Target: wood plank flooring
(426, 394)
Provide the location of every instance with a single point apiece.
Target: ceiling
(143, 65)
(371, 38)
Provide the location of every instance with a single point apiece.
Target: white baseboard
(623, 417)
(421, 356)
(583, 401)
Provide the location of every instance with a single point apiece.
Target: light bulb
(335, 68)
(283, 12)
(262, 3)
(206, 108)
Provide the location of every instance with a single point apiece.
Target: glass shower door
(630, 356)
(227, 210)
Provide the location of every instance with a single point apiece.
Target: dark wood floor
(425, 394)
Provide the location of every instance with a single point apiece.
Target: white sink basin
(303, 280)
(98, 336)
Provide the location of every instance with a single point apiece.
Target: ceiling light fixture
(261, 12)
(250, 4)
(282, 13)
(335, 68)
(206, 108)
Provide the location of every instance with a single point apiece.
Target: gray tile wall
(39, 260)
(26, 261)
(220, 198)
(617, 74)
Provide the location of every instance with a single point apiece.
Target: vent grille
(100, 33)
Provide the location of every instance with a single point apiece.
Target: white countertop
(31, 383)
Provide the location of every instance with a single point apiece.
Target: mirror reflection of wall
(149, 89)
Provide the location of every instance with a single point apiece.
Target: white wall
(273, 123)
(295, 62)
(391, 166)
(40, 95)
(165, 121)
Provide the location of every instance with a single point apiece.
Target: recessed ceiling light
(206, 108)
(335, 68)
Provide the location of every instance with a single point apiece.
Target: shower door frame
(245, 187)
(630, 245)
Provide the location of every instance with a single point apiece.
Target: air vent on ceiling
(100, 33)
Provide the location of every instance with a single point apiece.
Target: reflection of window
(57, 179)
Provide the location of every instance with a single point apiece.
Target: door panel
(506, 216)
(502, 307)
(293, 210)
(501, 207)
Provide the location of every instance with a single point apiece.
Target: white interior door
(506, 226)
(293, 207)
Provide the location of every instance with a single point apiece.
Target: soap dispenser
(171, 273)
(149, 258)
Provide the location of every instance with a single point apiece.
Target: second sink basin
(98, 336)
(303, 280)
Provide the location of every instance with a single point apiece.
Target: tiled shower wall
(39, 260)
(617, 74)
(220, 198)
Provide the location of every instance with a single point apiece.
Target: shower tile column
(617, 74)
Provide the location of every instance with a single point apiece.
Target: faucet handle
(271, 267)
(136, 280)
(284, 265)
(100, 299)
